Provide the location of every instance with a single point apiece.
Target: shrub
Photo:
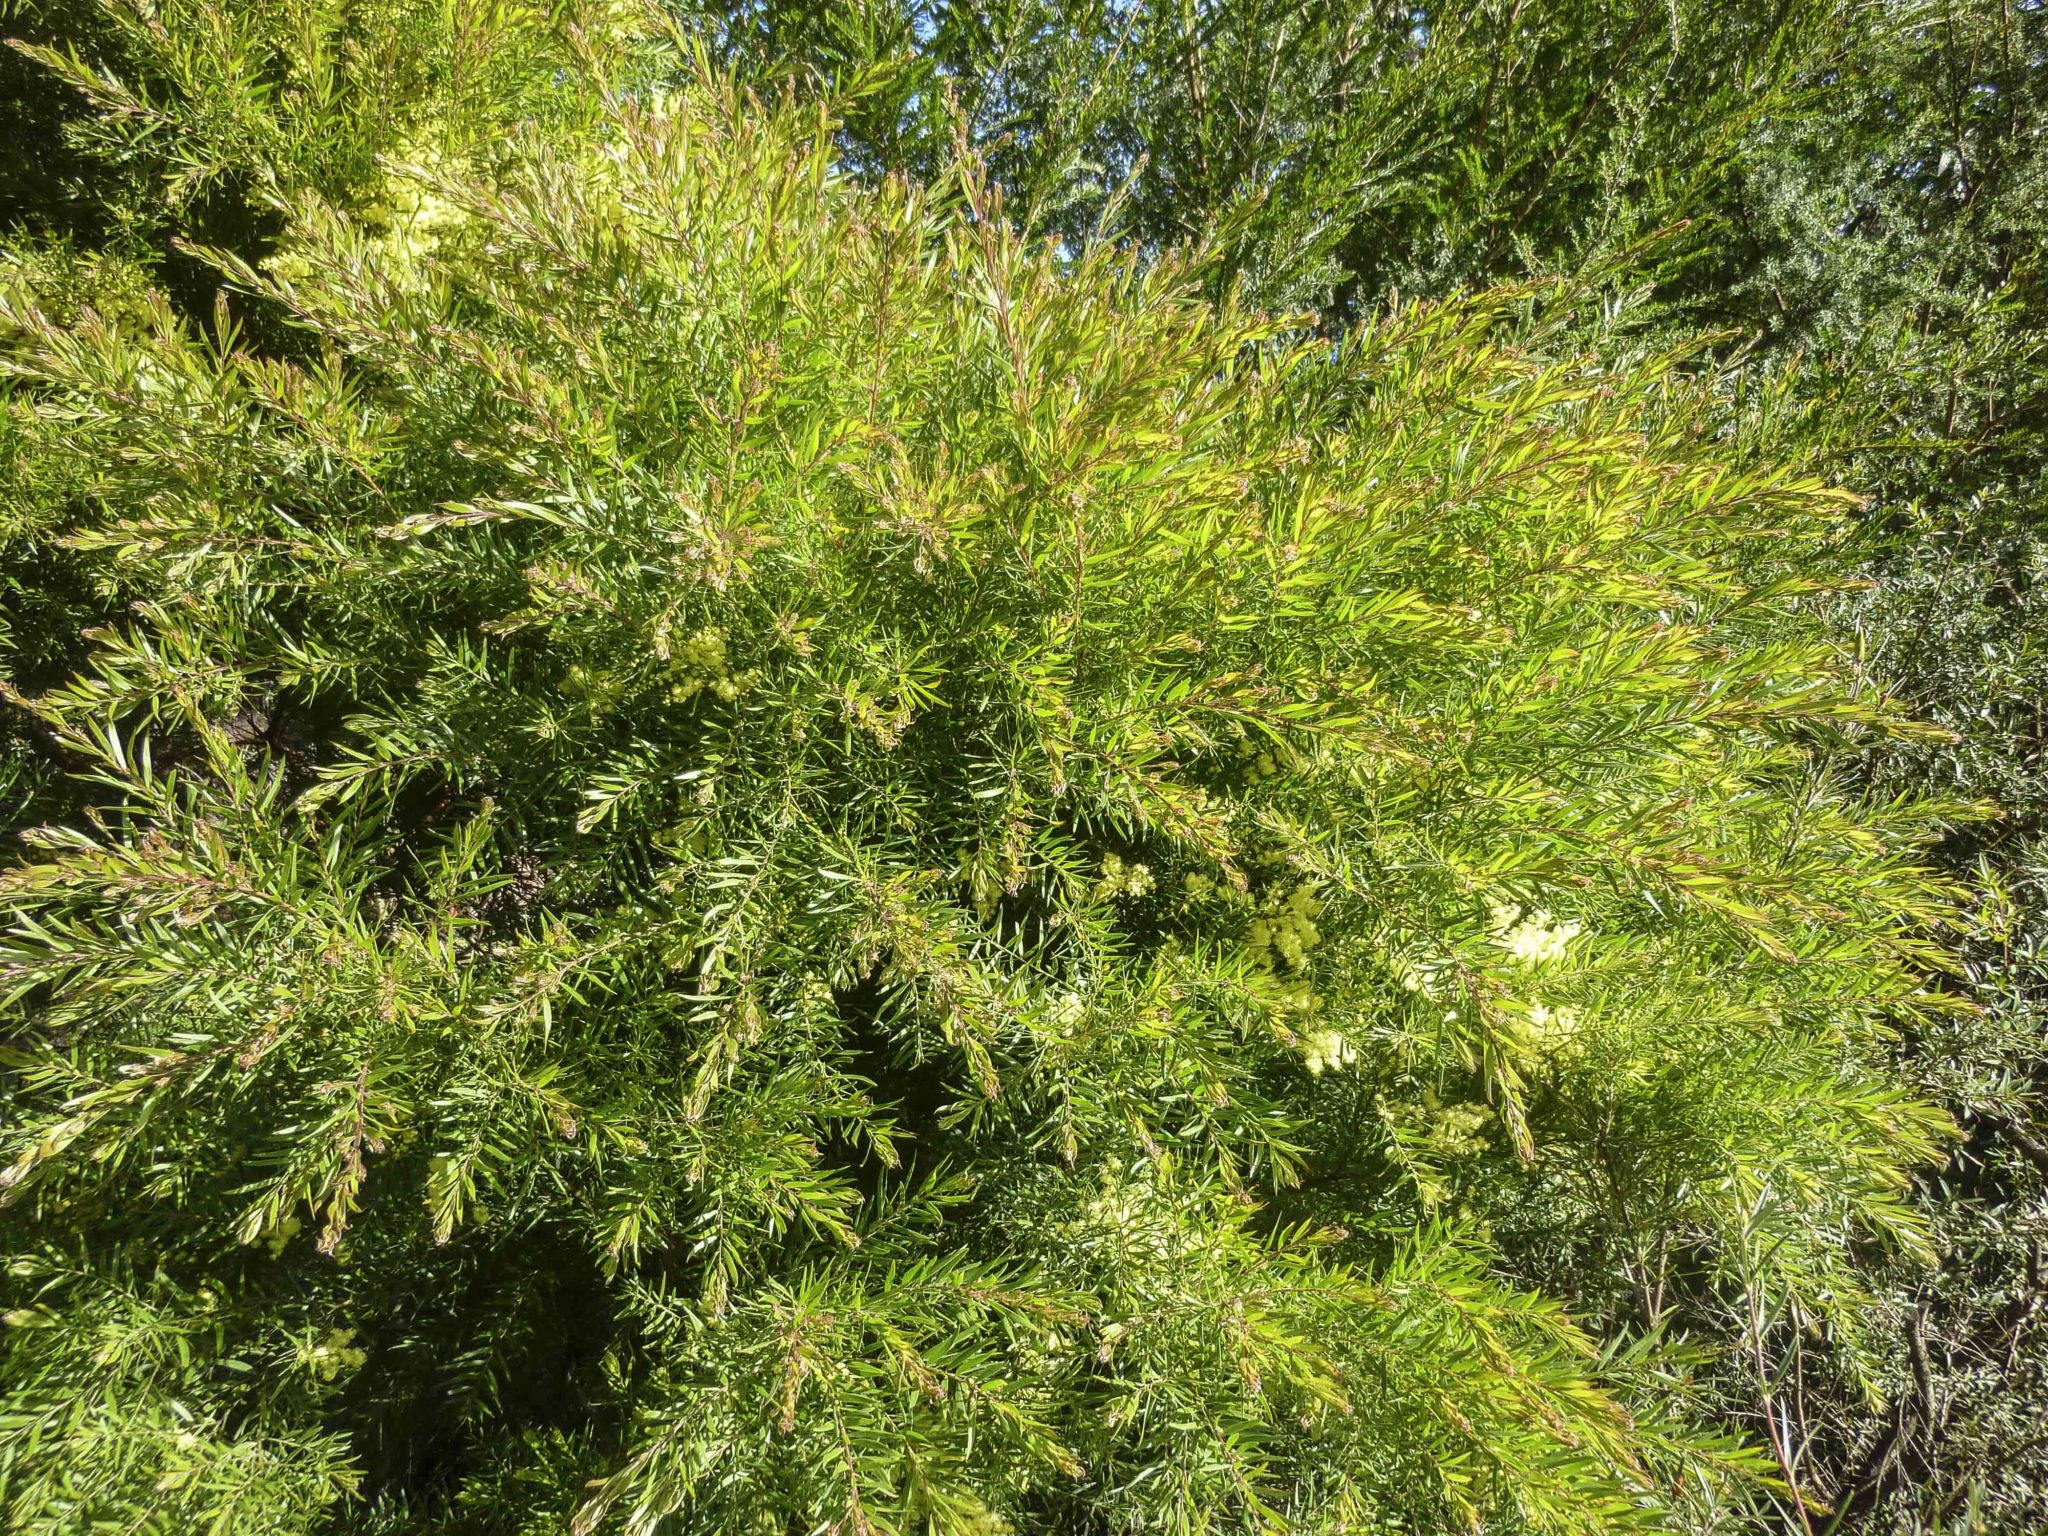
(1862, 194)
(755, 842)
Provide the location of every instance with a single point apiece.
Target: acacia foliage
(757, 853)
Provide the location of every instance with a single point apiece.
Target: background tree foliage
(707, 842)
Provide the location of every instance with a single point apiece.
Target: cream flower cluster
(1264, 766)
(1531, 936)
(336, 1355)
(1548, 1028)
(1127, 1207)
(1263, 758)
(414, 218)
(1286, 927)
(1065, 1011)
(700, 663)
(1326, 1049)
(419, 219)
(1451, 1129)
(1121, 879)
(1429, 1133)
(1458, 1130)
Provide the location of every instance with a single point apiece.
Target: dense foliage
(706, 841)
(1852, 193)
